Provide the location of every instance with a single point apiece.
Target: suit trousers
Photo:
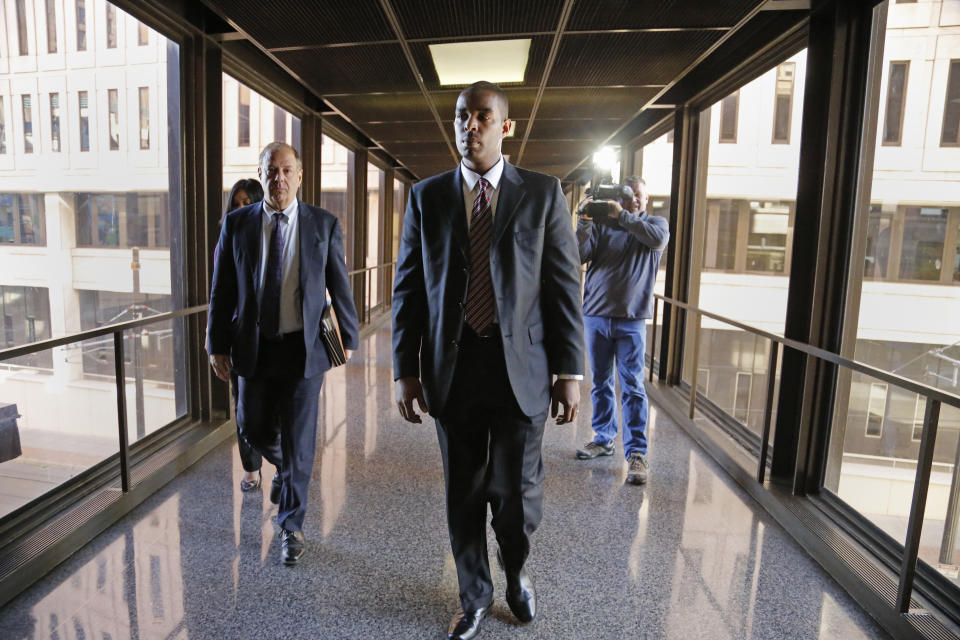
(278, 414)
(491, 455)
(250, 460)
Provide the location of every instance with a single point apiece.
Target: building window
(113, 105)
(956, 256)
(26, 319)
(720, 243)
(27, 123)
(81, 25)
(22, 219)
(22, 28)
(3, 128)
(84, 121)
(783, 104)
(144, 117)
(279, 124)
(243, 118)
(918, 412)
(741, 396)
(767, 241)
(98, 308)
(951, 110)
(55, 122)
(51, 26)
(123, 220)
(877, 255)
(111, 26)
(876, 408)
(896, 101)
(143, 35)
(729, 108)
(921, 255)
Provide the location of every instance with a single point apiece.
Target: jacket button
(454, 343)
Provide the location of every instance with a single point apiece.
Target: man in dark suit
(486, 308)
(275, 262)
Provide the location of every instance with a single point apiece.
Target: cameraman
(622, 243)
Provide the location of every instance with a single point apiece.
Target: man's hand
(409, 389)
(347, 353)
(221, 366)
(581, 206)
(613, 209)
(566, 393)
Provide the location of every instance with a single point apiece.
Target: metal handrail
(379, 266)
(119, 375)
(50, 343)
(931, 419)
(910, 385)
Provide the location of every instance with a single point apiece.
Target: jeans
(623, 339)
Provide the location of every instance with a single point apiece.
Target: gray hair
(276, 146)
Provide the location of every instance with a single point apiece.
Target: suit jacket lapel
(308, 237)
(252, 238)
(511, 195)
(459, 216)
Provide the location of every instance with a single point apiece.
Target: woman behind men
(244, 192)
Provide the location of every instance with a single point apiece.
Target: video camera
(602, 194)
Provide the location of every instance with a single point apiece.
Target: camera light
(605, 158)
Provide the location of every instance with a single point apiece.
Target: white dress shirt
(291, 309)
(470, 182)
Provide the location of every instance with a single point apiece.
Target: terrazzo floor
(689, 555)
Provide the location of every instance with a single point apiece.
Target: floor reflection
(687, 555)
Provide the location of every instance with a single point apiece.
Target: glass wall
(904, 296)
(375, 207)
(654, 163)
(251, 122)
(335, 170)
(86, 220)
(743, 237)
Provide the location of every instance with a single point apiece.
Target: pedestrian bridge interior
(803, 358)
(688, 555)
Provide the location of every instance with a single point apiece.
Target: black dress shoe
(466, 624)
(292, 546)
(250, 485)
(521, 596)
(275, 487)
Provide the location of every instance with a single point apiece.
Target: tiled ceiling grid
(612, 58)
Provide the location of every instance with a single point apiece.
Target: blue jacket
(623, 264)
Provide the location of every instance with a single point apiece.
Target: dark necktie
(480, 307)
(272, 283)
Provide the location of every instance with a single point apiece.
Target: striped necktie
(272, 282)
(480, 309)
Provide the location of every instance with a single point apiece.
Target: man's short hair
(483, 85)
(276, 146)
(635, 179)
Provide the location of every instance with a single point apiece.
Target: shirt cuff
(569, 376)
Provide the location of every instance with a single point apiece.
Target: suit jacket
(534, 266)
(233, 322)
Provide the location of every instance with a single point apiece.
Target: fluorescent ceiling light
(461, 63)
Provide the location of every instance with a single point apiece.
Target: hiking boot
(637, 471)
(594, 449)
